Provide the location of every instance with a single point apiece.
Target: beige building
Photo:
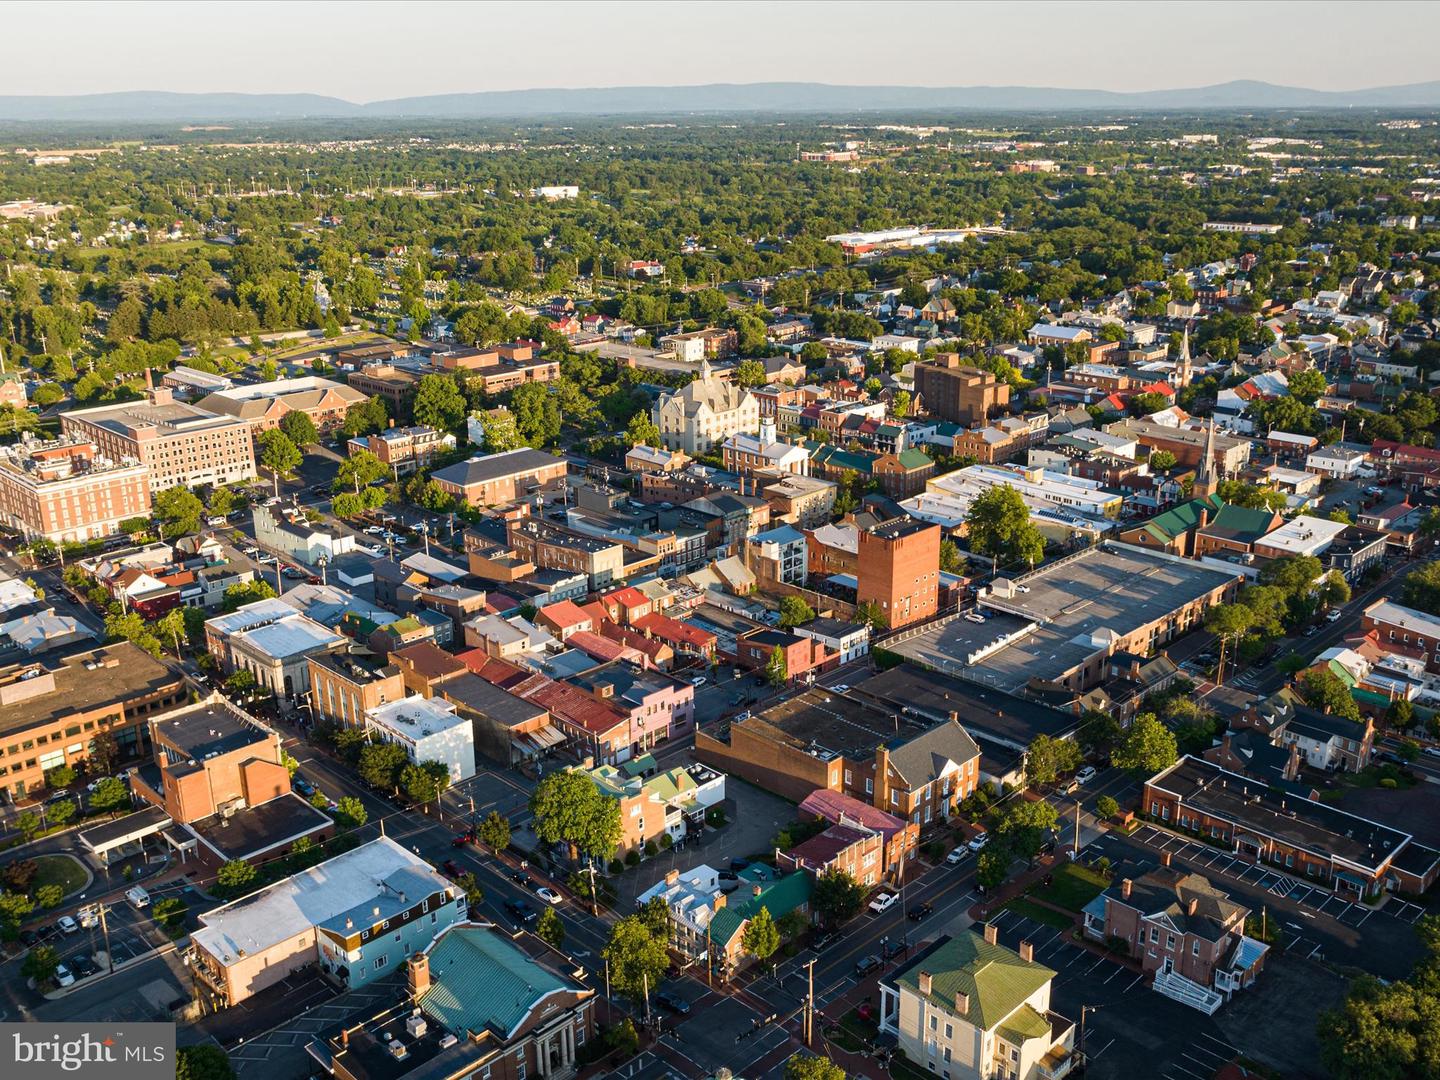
(264, 405)
(699, 417)
(180, 444)
(969, 1008)
(66, 490)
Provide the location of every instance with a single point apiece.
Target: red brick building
(899, 570)
(857, 851)
(803, 656)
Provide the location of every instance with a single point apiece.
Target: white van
(138, 896)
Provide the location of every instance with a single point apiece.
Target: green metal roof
(779, 898)
(1181, 519)
(479, 981)
(1243, 521)
(914, 459)
(639, 766)
(997, 981)
(1024, 1023)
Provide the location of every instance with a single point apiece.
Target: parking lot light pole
(105, 932)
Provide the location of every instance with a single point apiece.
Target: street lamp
(323, 562)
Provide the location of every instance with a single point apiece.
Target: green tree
(549, 928)
(872, 615)
(776, 671)
(169, 914)
(1334, 590)
(110, 794)
(638, 959)
(240, 682)
(641, 431)
(366, 418)
(998, 525)
(1228, 622)
(170, 628)
(40, 964)
(1162, 461)
(1106, 807)
(900, 404)
(178, 510)
(1324, 690)
(439, 403)
(49, 896)
(15, 907)
(236, 876)
(299, 428)
(749, 374)
(380, 765)
(425, 782)
(761, 937)
(202, 1063)
(350, 812)
(131, 626)
(501, 434)
(1307, 385)
(247, 592)
(359, 470)
(569, 809)
(61, 776)
(61, 813)
(794, 611)
(837, 896)
(1421, 589)
(278, 454)
(950, 560)
(29, 824)
(1049, 758)
(1023, 825)
(537, 413)
(494, 831)
(993, 865)
(808, 1067)
(222, 501)
(470, 886)
(1147, 748)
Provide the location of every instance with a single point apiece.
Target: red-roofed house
(603, 649)
(597, 730)
(858, 851)
(901, 836)
(685, 638)
(564, 619)
(626, 605)
(657, 654)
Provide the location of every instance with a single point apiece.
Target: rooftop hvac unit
(447, 1040)
(398, 1050)
(415, 1026)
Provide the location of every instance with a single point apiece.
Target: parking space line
(1230, 1048)
(1117, 971)
(1138, 979)
(1095, 965)
(1102, 1049)
(1311, 954)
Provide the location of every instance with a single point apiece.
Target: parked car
(63, 976)
(1335, 616)
(303, 786)
(68, 925)
(919, 912)
(1085, 775)
(974, 616)
(866, 964)
(884, 902)
(956, 856)
(1433, 751)
(452, 869)
(461, 839)
(840, 688)
(821, 942)
(549, 895)
(521, 911)
(672, 1002)
(699, 680)
(521, 878)
(978, 841)
(83, 966)
(137, 895)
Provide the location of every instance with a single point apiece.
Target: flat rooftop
(173, 418)
(310, 898)
(472, 692)
(1318, 828)
(209, 728)
(482, 469)
(831, 724)
(112, 675)
(256, 830)
(416, 717)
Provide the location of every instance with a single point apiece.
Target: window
(847, 777)
(1195, 948)
(579, 1034)
(381, 961)
(1154, 935)
(1169, 941)
(869, 786)
(949, 1033)
(934, 1022)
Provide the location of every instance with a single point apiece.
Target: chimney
(962, 1003)
(417, 974)
(1027, 952)
(1164, 861)
(954, 716)
(1192, 907)
(1125, 887)
(345, 1038)
(672, 876)
(882, 776)
(756, 890)
(926, 983)
(719, 901)
(992, 933)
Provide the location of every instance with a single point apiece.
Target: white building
(272, 641)
(1336, 462)
(1300, 536)
(1249, 228)
(295, 538)
(850, 640)
(1036, 486)
(700, 416)
(555, 191)
(429, 730)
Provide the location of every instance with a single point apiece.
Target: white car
(63, 976)
(1335, 616)
(699, 680)
(549, 895)
(884, 902)
(1085, 775)
(68, 925)
(954, 858)
(840, 688)
(978, 841)
(974, 616)
(138, 896)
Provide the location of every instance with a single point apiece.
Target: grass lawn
(1072, 886)
(59, 870)
(1040, 914)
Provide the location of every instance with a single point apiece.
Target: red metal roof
(832, 805)
(668, 629)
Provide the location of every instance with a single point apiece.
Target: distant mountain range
(159, 106)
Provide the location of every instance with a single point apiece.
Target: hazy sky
(365, 51)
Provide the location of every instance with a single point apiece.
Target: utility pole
(809, 1000)
(709, 960)
(105, 931)
(1077, 829)
(645, 980)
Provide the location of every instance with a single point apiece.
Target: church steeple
(1184, 371)
(1207, 477)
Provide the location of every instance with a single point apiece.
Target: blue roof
(1248, 953)
(479, 981)
(785, 534)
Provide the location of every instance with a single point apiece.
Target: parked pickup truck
(884, 902)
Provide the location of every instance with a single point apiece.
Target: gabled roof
(923, 758)
(479, 981)
(1241, 523)
(779, 898)
(1179, 520)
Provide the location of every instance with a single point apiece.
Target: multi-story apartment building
(396, 385)
(428, 729)
(899, 570)
(498, 478)
(670, 803)
(180, 444)
(404, 449)
(802, 501)
(972, 1008)
(778, 555)
(959, 393)
(53, 715)
(803, 657)
(1397, 624)
(264, 405)
(65, 490)
(554, 547)
(658, 705)
(357, 916)
(851, 849)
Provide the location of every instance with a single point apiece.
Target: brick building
(345, 686)
(804, 657)
(498, 478)
(951, 390)
(264, 405)
(898, 569)
(851, 849)
(404, 449)
(65, 490)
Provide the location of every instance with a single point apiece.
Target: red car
(461, 839)
(452, 869)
